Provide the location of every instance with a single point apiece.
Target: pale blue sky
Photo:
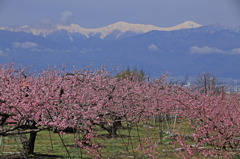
(97, 13)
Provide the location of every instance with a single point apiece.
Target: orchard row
(87, 98)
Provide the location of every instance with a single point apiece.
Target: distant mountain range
(185, 49)
(119, 27)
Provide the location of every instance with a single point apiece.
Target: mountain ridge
(120, 26)
(210, 48)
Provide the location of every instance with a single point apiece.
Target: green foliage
(134, 74)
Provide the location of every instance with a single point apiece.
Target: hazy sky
(97, 13)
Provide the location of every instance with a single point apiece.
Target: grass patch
(120, 146)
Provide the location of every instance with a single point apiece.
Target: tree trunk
(31, 141)
(25, 144)
(113, 129)
(28, 144)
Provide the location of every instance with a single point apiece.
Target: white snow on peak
(28, 29)
(185, 25)
(73, 28)
(121, 27)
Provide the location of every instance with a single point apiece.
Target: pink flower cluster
(85, 98)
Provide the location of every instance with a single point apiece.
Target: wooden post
(237, 86)
(205, 84)
(222, 92)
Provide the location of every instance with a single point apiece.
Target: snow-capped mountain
(120, 27)
(123, 27)
(28, 29)
(178, 50)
